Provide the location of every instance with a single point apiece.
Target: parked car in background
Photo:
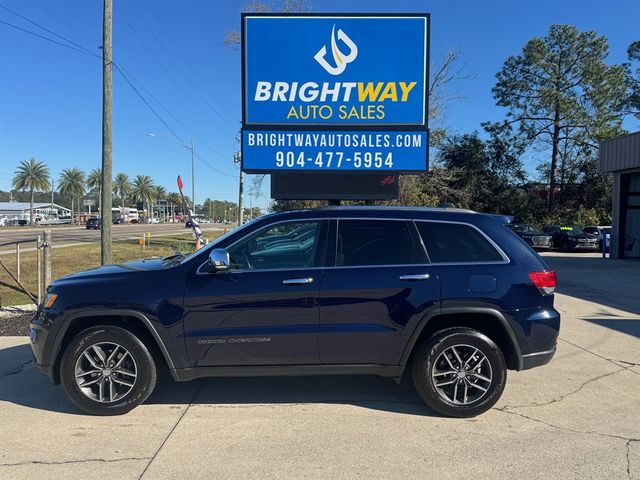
(449, 296)
(118, 221)
(532, 235)
(603, 233)
(570, 237)
(94, 223)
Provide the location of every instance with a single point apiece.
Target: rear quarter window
(456, 243)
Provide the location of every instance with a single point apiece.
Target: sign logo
(339, 58)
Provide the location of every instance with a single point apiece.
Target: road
(79, 234)
(577, 417)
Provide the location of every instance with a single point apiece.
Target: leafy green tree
(122, 187)
(559, 88)
(488, 172)
(33, 176)
(633, 77)
(143, 191)
(72, 183)
(94, 182)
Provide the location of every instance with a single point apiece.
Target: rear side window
(455, 242)
(374, 242)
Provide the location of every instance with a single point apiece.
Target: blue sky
(50, 96)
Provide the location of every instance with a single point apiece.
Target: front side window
(284, 245)
(374, 242)
(456, 243)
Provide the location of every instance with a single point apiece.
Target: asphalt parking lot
(578, 417)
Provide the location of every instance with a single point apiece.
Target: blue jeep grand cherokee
(452, 297)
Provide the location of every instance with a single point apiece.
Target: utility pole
(51, 210)
(107, 70)
(237, 158)
(193, 175)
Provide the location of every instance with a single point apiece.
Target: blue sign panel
(335, 70)
(315, 150)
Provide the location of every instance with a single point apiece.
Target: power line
(195, 73)
(84, 51)
(127, 77)
(147, 103)
(61, 20)
(200, 140)
(47, 30)
(180, 70)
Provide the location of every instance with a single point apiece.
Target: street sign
(344, 92)
(334, 186)
(88, 202)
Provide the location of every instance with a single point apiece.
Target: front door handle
(415, 277)
(297, 281)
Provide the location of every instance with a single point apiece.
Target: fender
(57, 343)
(457, 310)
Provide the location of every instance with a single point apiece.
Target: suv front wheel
(107, 370)
(460, 372)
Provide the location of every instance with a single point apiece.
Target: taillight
(545, 281)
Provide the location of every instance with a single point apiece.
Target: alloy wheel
(106, 372)
(461, 374)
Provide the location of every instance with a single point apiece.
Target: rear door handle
(297, 281)
(415, 277)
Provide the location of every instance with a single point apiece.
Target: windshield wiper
(176, 258)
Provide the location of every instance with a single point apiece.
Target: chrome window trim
(505, 258)
(260, 230)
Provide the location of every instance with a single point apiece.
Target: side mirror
(219, 259)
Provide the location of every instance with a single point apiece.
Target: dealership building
(621, 157)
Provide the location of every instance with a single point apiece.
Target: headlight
(49, 300)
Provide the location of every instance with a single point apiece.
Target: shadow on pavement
(22, 384)
(613, 283)
(623, 325)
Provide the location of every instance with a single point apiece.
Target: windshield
(218, 240)
(523, 228)
(571, 229)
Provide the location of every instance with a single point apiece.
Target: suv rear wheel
(107, 370)
(460, 372)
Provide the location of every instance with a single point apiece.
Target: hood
(111, 271)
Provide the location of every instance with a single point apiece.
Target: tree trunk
(73, 220)
(554, 159)
(31, 210)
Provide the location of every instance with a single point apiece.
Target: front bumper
(584, 246)
(41, 341)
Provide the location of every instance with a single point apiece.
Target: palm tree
(33, 176)
(122, 188)
(72, 183)
(94, 182)
(143, 190)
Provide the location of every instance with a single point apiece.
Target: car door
(378, 289)
(263, 310)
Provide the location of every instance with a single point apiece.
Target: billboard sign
(331, 79)
(335, 70)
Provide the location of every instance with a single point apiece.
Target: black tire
(145, 370)
(430, 352)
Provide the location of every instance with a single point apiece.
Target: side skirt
(387, 371)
